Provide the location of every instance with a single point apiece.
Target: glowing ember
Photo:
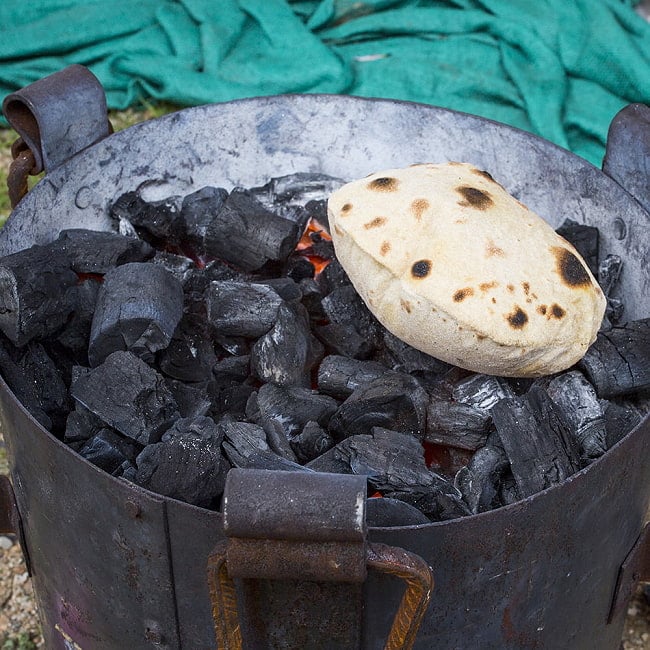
(306, 244)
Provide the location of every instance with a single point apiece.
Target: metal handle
(56, 117)
(388, 559)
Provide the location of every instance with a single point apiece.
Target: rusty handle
(56, 117)
(411, 568)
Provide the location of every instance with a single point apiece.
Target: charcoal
(384, 513)
(584, 239)
(345, 340)
(609, 272)
(344, 305)
(278, 441)
(37, 293)
(299, 268)
(405, 358)
(187, 464)
(457, 424)
(479, 480)
(233, 368)
(333, 277)
(22, 388)
(618, 363)
(108, 450)
(181, 267)
(75, 334)
(237, 346)
(191, 399)
(445, 460)
(129, 396)
(248, 235)
(241, 439)
(286, 288)
(292, 407)
(312, 299)
(229, 396)
(127, 470)
(340, 376)
(620, 419)
(81, 425)
(481, 391)
(311, 442)
(298, 188)
(321, 246)
(40, 372)
(394, 401)
(317, 210)
(509, 492)
(267, 459)
(579, 408)
(538, 444)
(286, 354)
(152, 221)
(189, 356)
(241, 308)
(138, 308)
(197, 211)
(91, 251)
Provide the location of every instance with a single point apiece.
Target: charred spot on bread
(418, 207)
(383, 184)
(385, 248)
(482, 172)
(474, 198)
(557, 311)
(461, 294)
(347, 207)
(518, 318)
(421, 268)
(375, 223)
(569, 268)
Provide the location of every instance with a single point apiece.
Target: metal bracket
(627, 157)
(306, 527)
(635, 569)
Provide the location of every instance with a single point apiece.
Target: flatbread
(455, 266)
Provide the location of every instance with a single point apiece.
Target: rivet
(620, 228)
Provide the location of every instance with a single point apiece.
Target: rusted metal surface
(20, 169)
(635, 569)
(9, 517)
(541, 573)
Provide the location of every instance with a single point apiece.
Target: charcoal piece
(613, 312)
(81, 425)
(383, 513)
(299, 268)
(609, 272)
(197, 211)
(248, 235)
(40, 372)
(108, 450)
(445, 460)
(317, 210)
(311, 442)
(187, 464)
(181, 267)
(127, 470)
(508, 490)
(237, 346)
(286, 288)
(292, 407)
(298, 188)
(321, 246)
(76, 332)
(340, 376)
(405, 358)
(153, 221)
(37, 293)
(541, 450)
(343, 339)
(228, 397)
(241, 309)
(91, 251)
(138, 308)
(191, 399)
(220, 271)
(267, 459)
(481, 391)
(579, 408)
(457, 424)
(286, 354)
(129, 396)
(312, 299)
(189, 356)
(278, 441)
(333, 277)
(344, 305)
(620, 419)
(394, 401)
(233, 368)
(241, 439)
(618, 363)
(480, 479)
(584, 239)
(21, 387)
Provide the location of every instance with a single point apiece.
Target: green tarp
(558, 68)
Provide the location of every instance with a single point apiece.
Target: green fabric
(558, 68)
